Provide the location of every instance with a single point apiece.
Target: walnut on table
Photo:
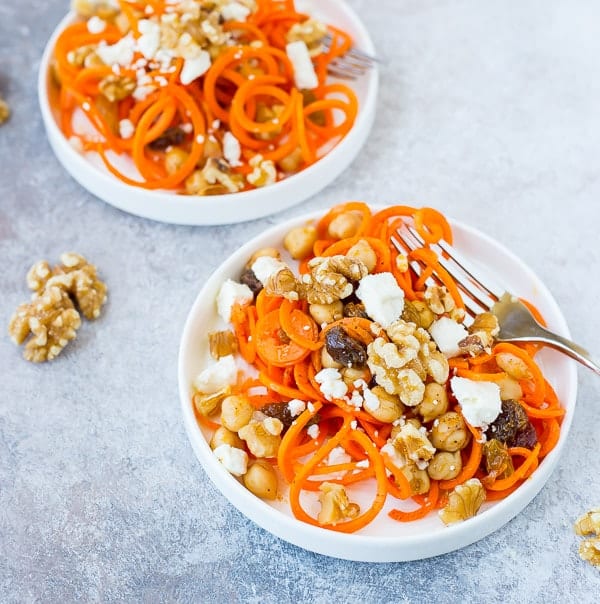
(589, 524)
(50, 319)
(49, 322)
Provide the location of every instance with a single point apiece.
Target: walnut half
(464, 502)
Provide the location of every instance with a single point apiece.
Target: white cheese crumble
(233, 459)
(76, 143)
(194, 68)
(305, 75)
(313, 431)
(447, 333)
(149, 41)
(232, 150)
(234, 11)
(95, 25)
(371, 401)
(120, 53)
(231, 293)
(126, 128)
(382, 296)
(331, 384)
(395, 456)
(338, 455)
(479, 401)
(363, 463)
(265, 266)
(296, 407)
(218, 376)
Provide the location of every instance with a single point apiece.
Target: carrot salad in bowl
(206, 97)
(340, 366)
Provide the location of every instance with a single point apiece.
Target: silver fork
(481, 294)
(351, 65)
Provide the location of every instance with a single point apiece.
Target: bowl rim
(219, 209)
(357, 547)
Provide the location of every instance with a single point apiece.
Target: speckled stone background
(488, 111)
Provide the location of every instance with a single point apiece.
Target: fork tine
(357, 54)
(341, 71)
(466, 281)
(472, 307)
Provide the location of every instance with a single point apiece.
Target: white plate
(384, 540)
(90, 172)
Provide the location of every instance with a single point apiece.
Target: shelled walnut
(464, 502)
(4, 111)
(50, 320)
(48, 323)
(589, 524)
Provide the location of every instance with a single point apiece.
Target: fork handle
(580, 354)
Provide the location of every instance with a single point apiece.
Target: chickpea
(361, 250)
(435, 402)
(344, 225)
(390, 408)
(265, 251)
(327, 360)
(327, 313)
(260, 442)
(513, 365)
(418, 479)
(174, 159)
(212, 148)
(223, 436)
(300, 240)
(351, 374)
(236, 412)
(445, 465)
(261, 479)
(291, 163)
(449, 432)
(396, 429)
(510, 389)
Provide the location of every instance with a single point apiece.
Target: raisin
(251, 280)
(354, 309)
(282, 412)
(170, 137)
(512, 426)
(344, 349)
(525, 437)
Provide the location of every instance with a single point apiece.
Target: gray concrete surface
(488, 111)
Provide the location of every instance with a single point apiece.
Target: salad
(205, 97)
(340, 367)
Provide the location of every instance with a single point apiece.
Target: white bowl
(384, 540)
(89, 171)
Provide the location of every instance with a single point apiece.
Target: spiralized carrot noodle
(334, 374)
(202, 99)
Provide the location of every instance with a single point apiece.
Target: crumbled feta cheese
(479, 401)
(356, 400)
(371, 401)
(141, 92)
(354, 424)
(447, 333)
(95, 25)
(338, 455)
(305, 75)
(331, 384)
(126, 128)
(232, 150)
(232, 293)
(218, 376)
(120, 53)
(396, 457)
(310, 407)
(382, 296)
(149, 41)
(363, 463)
(265, 266)
(296, 407)
(234, 11)
(313, 431)
(233, 459)
(194, 68)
